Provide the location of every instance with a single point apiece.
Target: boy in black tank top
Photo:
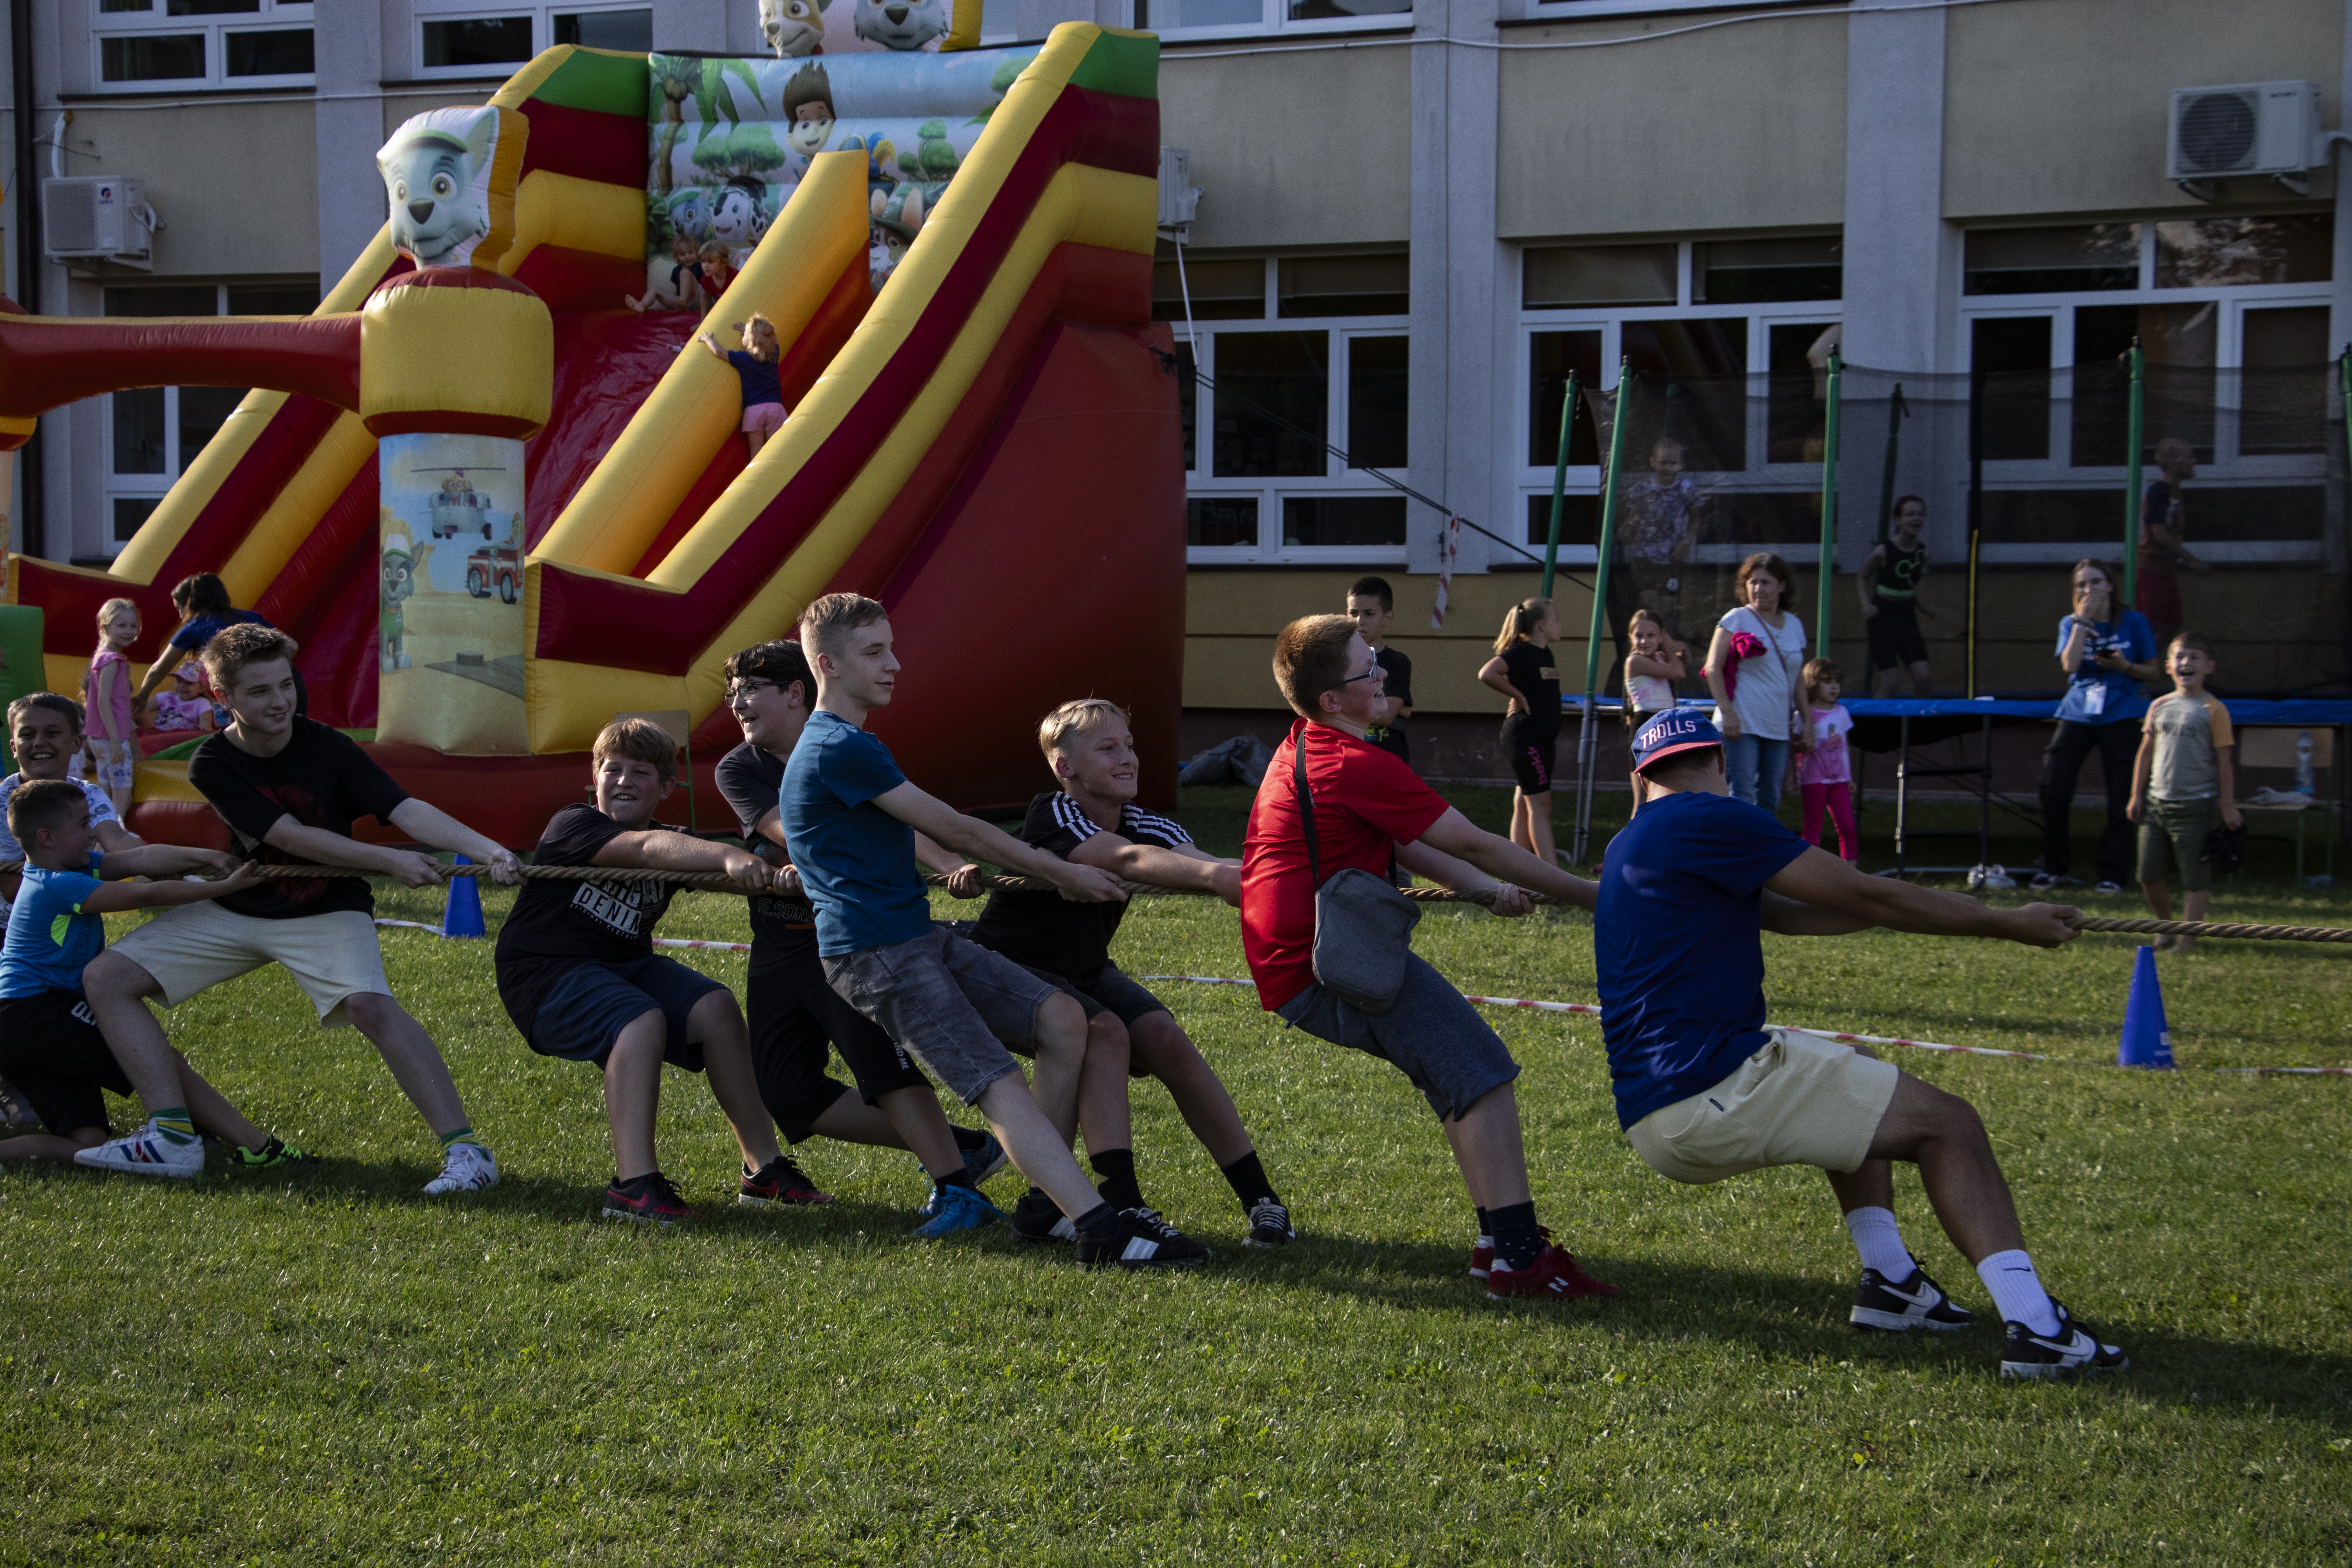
(1889, 589)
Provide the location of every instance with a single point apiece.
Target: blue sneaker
(957, 1208)
(986, 1160)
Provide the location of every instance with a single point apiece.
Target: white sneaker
(147, 1153)
(465, 1168)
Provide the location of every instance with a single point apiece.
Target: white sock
(2017, 1291)
(1880, 1244)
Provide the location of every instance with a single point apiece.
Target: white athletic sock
(2017, 1291)
(1880, 1244)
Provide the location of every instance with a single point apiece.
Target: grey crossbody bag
(1363, 927)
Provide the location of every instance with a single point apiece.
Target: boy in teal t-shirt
(50, 1047)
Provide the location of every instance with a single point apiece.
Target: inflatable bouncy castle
(497, 506)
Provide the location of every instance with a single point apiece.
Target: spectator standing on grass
(1889, 586)
(1372, 605)
(2163, 524)
(1657, 662)
(1753, 668)
(1824, 777)
(113, 721)
(2181, 785)
(2106, 649)
(1524, 671)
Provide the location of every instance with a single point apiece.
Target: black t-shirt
(1533, 671)
(1046, 930)
(556, 927)
(783, 928)
(322, 779)
(1397, 687)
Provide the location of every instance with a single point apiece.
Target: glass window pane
(1188, 401)
(1598, 275)
(138, 446)
(1579, 518)
(272, 299)
(2285, 382)
(2010, 355)
(1377, 378)
(164, 57)
(2225, 252)
(1221, 290)
(2052, 261)
(108, 7)
(478, 41)
(1321, 10)
(2177, 351)
(165, 300)
(202, 411)
(286, 53)
(1343, 520)
(130, 511)
(1344, 285)
(1220, 521)
(1272, 398)
(209, 7)
(629, 31)
(1799, 393)
(1745, 272)
(1703, 363)
(1551, 357)
(1163, 14)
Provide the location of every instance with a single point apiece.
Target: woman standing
(1754, 667)
(1522, 669)
(2106, 649)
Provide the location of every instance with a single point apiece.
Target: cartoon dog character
(434, 170)
(808, 105)
(895, 219)
(794, 28)
(689, 214)
(902, 24)
(399, 583)
(738, 216)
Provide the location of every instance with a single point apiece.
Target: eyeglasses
(739, 689)
(1373, 673)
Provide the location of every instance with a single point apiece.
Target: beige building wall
(1734, 128)
(2059, 107)
(200, 162)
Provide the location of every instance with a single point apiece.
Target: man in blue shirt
(851, 817)
(1705, 1091)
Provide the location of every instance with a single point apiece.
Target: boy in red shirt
(1369, 805)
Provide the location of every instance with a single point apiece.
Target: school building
(1413, 219)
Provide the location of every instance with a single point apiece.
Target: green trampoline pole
(1829, 511)
(1895, 415)
(2132, 436)
(1586, 751)
(1559, 485)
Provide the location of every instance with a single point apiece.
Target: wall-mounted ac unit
(2251, 128)
(100, 218)
(1180, 198)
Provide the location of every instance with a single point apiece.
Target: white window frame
(1273, 17)
(1338, 480)
(2228, 470)
(272, 16)
(542, 31)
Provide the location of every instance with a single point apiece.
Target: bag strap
(1305, 807)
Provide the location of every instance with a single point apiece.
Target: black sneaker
(1036, 1218)
(1269, 1225)
(1143, 1240)
(15, 1111)
(2074, 1348)
(275, 1155)
(1918, 1303)
(779, 1184)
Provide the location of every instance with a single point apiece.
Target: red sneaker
(1482, 1252)
(648, 1199)
(1553, 1274)
(780, 1183)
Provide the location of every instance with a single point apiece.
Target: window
(202, 43)
(154, 432)
(1310, 365)
(1181, 19)
(454, 37)
(2052, 261)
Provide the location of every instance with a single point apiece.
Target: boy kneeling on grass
(2181, 785)
(1705, 1091)
(50, 1045)
(577, 973)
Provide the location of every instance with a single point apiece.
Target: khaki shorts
(1801, 1101)
(196, 947)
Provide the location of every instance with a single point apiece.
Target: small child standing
(106, 692)
(755, 363)
(1823, 778)
(2180, 783)
(1656, 662)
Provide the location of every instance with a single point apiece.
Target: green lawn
(332, 1368)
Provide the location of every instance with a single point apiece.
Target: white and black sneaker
(1037, 1218)
(2074, 1348)
(1269, 1223)
(1916, 1303)
(1143, 1240)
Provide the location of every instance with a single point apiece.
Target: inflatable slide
(497, 506)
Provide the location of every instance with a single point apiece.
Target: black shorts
(1895, 639)
(1108, 990)
(50, 1049)
(581, 1018)
(796, 1021)
(1529, 751)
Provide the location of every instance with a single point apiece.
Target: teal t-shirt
(49, 937)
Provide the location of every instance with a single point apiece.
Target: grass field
(333, 1368)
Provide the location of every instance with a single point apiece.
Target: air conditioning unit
(1180, 199)
(101, 217)
(2251, 129)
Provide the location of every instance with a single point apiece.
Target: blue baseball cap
(1676, 729)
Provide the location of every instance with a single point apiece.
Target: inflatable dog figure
(902, 25)
(399, 583)
(794, 28)
(435, 170)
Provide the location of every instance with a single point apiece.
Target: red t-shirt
(1366, 802)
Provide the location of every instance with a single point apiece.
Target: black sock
(959, 1177)
(1039, 1194)
(968, 1138)
(1248, 1179)
(1517, 1240)
(1484, 1228)
(1099, 1221)
(1117, 1169)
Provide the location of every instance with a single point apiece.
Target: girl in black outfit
(1522, 669)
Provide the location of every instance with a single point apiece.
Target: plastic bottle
(2305, 782)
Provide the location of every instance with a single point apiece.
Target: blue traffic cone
(462, 915)
(2146, 1042)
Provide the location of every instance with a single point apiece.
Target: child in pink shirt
(1823, 777)
(113, 729)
